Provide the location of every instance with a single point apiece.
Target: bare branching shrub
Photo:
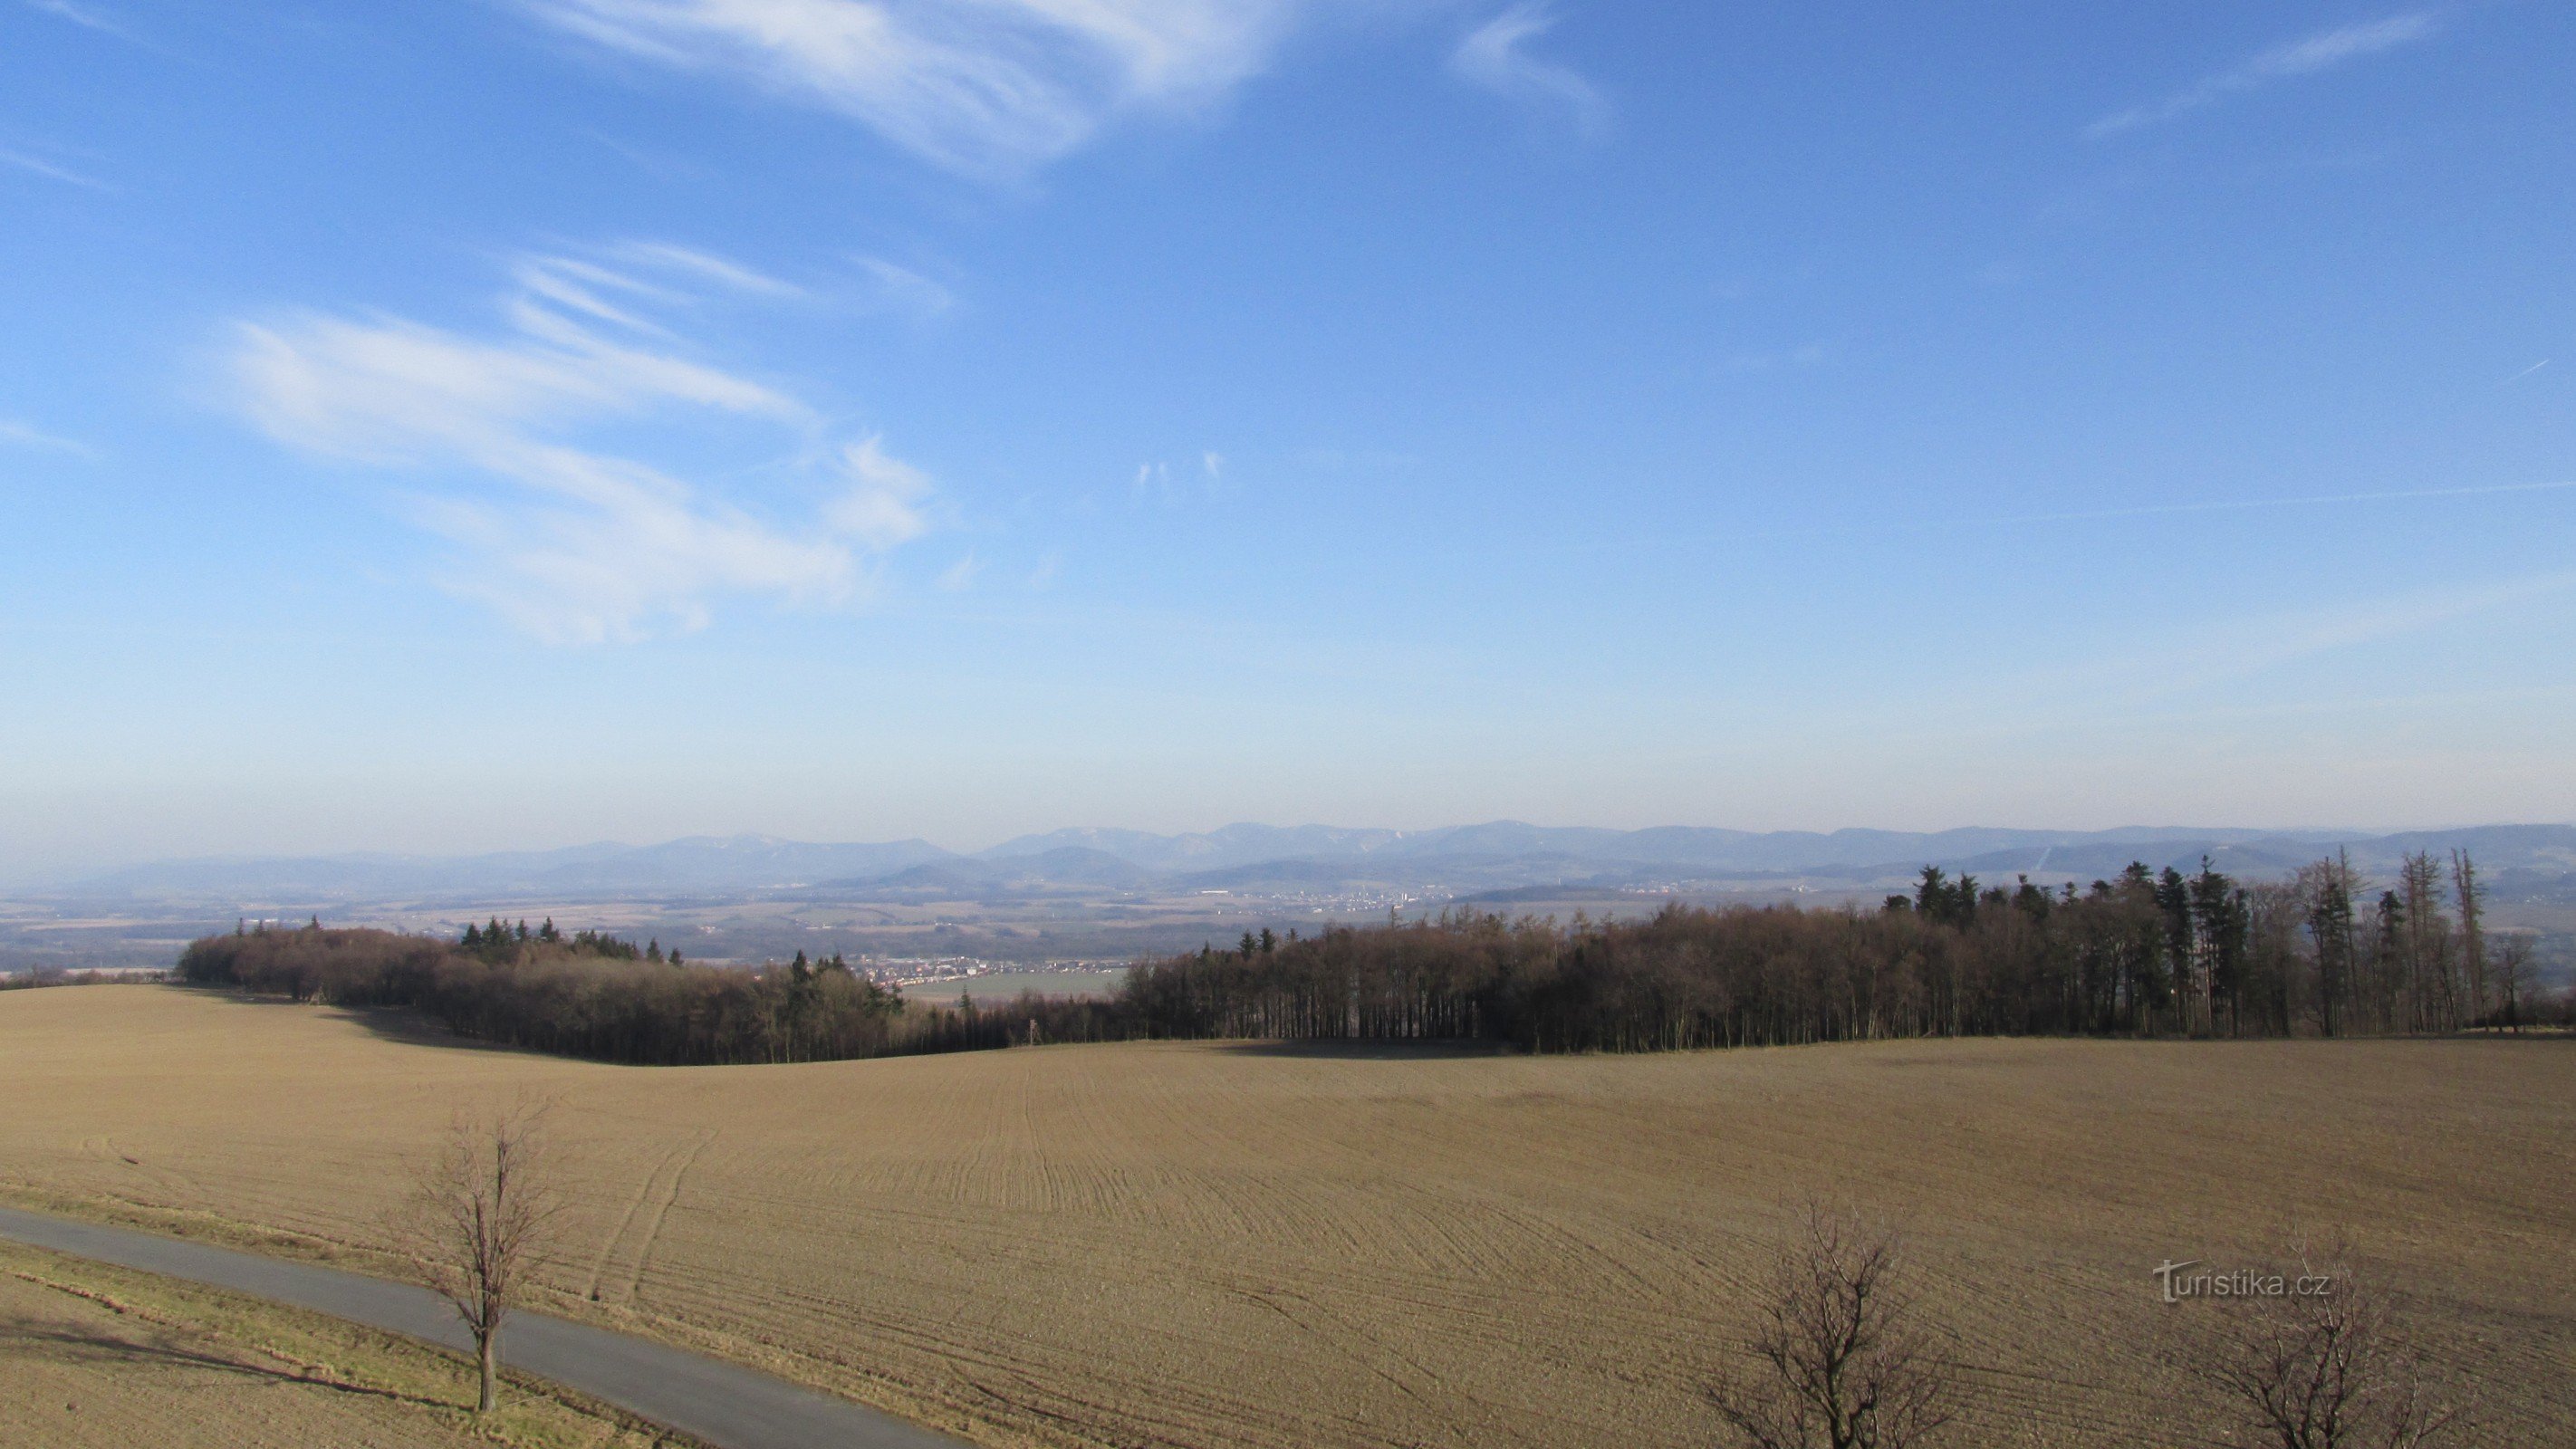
(2516, 978)
(479, 1222)
(2327, 1369)
(1843, 1361)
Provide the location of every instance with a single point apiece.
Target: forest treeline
(2145, 954)
(593, 995)
(78, 976)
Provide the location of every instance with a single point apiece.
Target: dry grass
(94, 1356)
(1218, 1245)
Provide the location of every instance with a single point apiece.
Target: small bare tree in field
(479, 1223)
(2327, 1370)
(1843, 1361)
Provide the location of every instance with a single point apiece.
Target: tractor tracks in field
(175, 1186)
(619, 1268)
(1375, 1354)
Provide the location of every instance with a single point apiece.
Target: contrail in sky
(2528, 371)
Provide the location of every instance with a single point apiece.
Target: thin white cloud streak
(2272, 643)
(2528, 371)
(2250, 647)
(2122, 681)
(20, 434)
(575, 545)
(901, 289)
(988, 87)
(2317, 53)
(2231, 505)
(705, 266)
(80, 15)
(567, 284)
(1494, 56)
(586, 286)
(37, 165)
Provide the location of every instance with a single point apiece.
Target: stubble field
(1204, 1245)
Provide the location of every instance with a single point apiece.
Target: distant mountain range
(1264, 859)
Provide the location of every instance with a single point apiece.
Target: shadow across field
(386, 1023)
(411, 1028)
(120, 1355)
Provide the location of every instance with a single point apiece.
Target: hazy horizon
(976, 848)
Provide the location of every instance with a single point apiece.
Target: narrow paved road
(724, 1404)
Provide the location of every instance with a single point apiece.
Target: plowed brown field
(1214, 1245)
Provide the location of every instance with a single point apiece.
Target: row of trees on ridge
(2147, 953)
(594, 995)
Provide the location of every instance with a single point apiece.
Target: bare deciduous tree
(1844, 1362)
(479, 1221)
(2471, 895)
(2516, 977)
(2327, 1370)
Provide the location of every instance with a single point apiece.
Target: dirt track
(1217, 1245)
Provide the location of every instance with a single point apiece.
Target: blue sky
(486, 423)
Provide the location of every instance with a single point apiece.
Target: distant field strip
(1214, 1245)
(996, 987)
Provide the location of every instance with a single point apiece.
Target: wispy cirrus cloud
(575, 542)
(1495, 55)
(1159, 482)
(50, 170)
(86, 16)
(2316, 53)
(2175, 675)
(987, 87)
(705, 267)
(2244, 648)
(17, 433)
(893, 288)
